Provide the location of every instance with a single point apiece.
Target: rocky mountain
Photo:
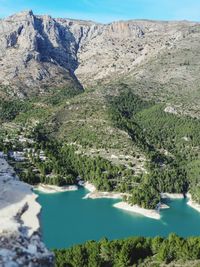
(36, 52)
(121, 65)
(39, 51)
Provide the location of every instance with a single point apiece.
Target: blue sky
(107, 10)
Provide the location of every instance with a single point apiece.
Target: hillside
(116, 104)
(43, 52)
(158, 59)
(140, 81)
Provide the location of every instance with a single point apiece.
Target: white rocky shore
(94, 194)
(192, 203)
(154, 214)
(171, 195)
(50, 189)
(90, 187)
(20, 242)
(98, 194)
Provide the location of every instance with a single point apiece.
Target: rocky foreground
(20, 240)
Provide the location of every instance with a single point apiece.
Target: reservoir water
(67, 219)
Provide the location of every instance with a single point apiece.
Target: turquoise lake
(67, 219)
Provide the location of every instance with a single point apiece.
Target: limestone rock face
(36, 51)
(39, 51)
(120, 48)
(20, 238)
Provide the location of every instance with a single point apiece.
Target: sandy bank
(192, 203)
(136, 209)
(90, 187)
(50, 189)
(164, 206)
(171, 195)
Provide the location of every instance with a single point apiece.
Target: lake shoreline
(171, 195)
(51, 189)
(94, 194)
(68, 213)
(192, 203)
(150, 213)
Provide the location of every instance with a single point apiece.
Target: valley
(115, 105)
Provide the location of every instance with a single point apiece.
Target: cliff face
(39, 51)
(36, 52)
(122, 48)
(20, 241)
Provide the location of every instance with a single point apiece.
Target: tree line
(133, 251)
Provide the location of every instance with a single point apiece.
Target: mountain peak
(50, 52)
(24, 13)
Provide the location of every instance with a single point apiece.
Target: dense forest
(133, 251)
(170, 142)
(66, 165)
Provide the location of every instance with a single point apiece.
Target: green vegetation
(170, 143)
(9, 109)
(119, 142)
(63, 165)
(35, 107)
(113, 138)
(135, 251)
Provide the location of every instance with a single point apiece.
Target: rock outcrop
(36, 52)
(20, 240)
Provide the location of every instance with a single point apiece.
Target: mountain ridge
(56, 52)
(106, 102)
